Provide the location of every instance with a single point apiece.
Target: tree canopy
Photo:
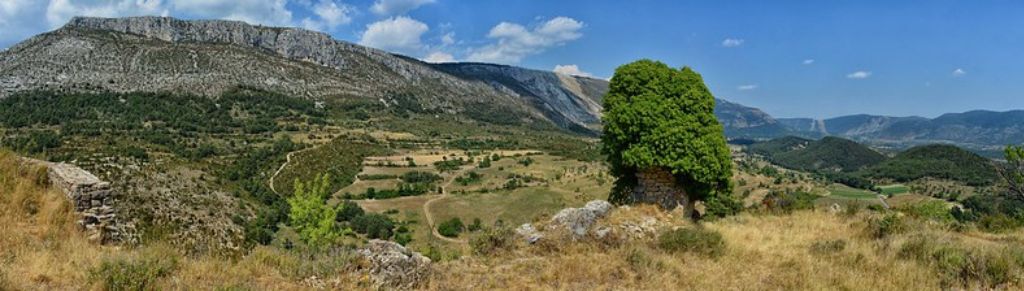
(657, 116)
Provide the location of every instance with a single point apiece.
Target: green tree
(310, 215)
(1013, 171)
(656, 116)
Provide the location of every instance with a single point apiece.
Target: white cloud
(401, 34)
(959, 72)
(732, 42)
(747, 87)
(572, 70)
(859, 75)
(808, 61)
(439, 57)
(330, 14)
(395, 7)
(58, 12)
(515, 41)
(448, 38)
(265, 12)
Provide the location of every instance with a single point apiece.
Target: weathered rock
(529, 233)
(579, 220)
(393, 266)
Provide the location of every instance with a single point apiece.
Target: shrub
(132, 274)
(349, 210)
(885, 226)
(451, 228)
(932, 210)
(692, 240)
(374, 226)
(963, 266)
(492, 241)
(787, 202)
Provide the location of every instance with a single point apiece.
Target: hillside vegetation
(830, 154)
(936, 161)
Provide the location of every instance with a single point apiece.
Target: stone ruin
(659, 186)
(92, 198)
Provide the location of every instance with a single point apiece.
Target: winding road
(444, 195)
(287, 160)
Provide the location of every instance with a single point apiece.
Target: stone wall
(92, 198)
(658, 186)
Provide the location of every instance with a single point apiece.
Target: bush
(692, 240)
(310, 215)
(348, 210)
(451, 228)
(374, 226)
(787, 202)
(132, 274)
(492, 241)
(963, 266)
(932, 210)
(885, 226)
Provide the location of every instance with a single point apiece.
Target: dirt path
(287, 160)
(444, 195)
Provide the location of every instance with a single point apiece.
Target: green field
(846, 192)
(894, 189)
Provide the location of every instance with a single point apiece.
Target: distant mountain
(974, 129)
(747, 122)
(936, 161)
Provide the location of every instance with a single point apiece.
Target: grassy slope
(43, 250)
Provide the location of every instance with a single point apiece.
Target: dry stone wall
(659, 186)
(93, 201)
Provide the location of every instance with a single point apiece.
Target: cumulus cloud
(808, 61)
(330, 15)
(439, 57)
(401, 34)
(395, 7)
(959, 72)
(732, 42)
(266, 12)
(515, 41)
(572, 70)
(859, 75)
(747, 87)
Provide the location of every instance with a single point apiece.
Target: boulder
(579, 220)
(529, 233)
(391, 265)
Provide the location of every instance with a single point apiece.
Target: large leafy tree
(657, 116)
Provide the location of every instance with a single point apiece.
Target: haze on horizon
(791, 58)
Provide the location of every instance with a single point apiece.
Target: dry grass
(42, 249)
(803, 251)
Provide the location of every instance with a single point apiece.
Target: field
(894, 189)
(518, 186)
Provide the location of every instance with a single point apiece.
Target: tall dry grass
(43, 248)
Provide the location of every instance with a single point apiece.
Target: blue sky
(791, 58)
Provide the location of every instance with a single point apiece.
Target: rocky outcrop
(93, 200)
(579, 220)
(570, 101)
(390, 265)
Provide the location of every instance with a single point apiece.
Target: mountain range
(208, 57)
